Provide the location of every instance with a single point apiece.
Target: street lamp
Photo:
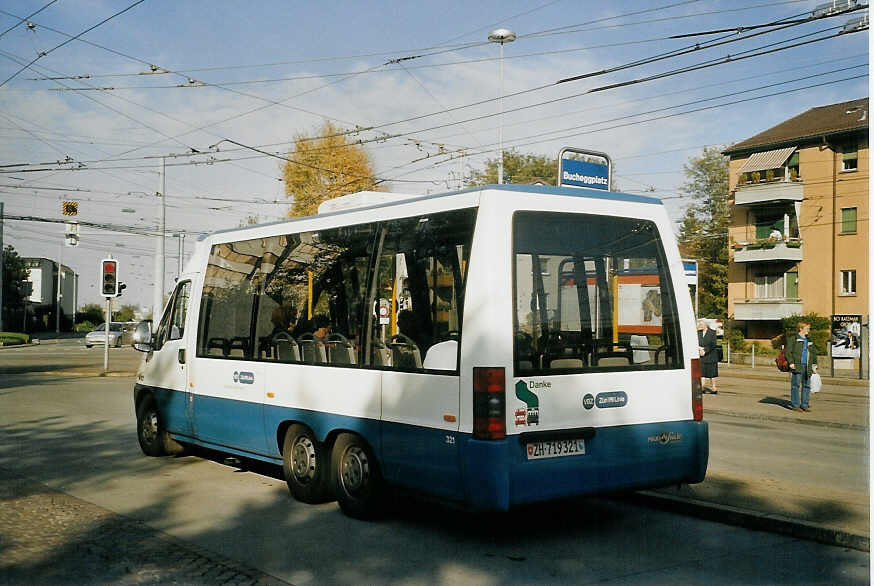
(501, 36)
(158, 292)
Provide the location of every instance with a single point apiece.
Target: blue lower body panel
(498, 475)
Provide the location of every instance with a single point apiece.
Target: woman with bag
(709, 352)
(801, 354)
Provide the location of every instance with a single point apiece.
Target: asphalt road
(77, 434)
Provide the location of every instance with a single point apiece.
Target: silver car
(120, 334)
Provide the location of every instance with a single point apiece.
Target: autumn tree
(518, 168)
(323, 168)
(704, 228)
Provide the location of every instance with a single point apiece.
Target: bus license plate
(556, 449)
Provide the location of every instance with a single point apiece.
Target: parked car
(120, 334)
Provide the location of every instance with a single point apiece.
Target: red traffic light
(109, 281)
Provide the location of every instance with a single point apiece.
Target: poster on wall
(846, 333)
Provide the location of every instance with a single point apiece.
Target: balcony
(769, 192)
(766, 309)
(768, 251)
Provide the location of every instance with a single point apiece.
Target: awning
(767, 160)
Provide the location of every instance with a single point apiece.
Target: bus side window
(227, 300)
(420, 273)
(180, 310)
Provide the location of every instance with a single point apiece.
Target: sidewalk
(776, 504)
(49, 537)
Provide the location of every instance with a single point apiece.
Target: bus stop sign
(585, 168)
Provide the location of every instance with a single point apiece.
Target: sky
(96, 94)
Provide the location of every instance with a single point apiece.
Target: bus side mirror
(143, 336)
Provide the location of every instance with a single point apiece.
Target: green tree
(324, 168)
(15, 274)
(518, 168)
(704, 228)
(125, 313)
(90, 312)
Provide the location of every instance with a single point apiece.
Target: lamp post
(501, 36)
(158, 293)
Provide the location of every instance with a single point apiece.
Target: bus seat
(238, 346)
(381, 355)
(566, 363)
(216, 347)
(340, 350)
(640, 355)
(404, 353)
(623, 358)
(285, 348)
(312, 351)
(442, 356)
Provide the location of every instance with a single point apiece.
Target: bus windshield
(591, 293)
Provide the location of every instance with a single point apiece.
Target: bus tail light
(697, 394)
(489, 404)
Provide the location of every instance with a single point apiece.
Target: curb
(816, 422)
(86, 374)
(741, 372)
(748, 519)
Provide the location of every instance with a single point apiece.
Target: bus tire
(306, 465)
(150, 430)
(358, 483)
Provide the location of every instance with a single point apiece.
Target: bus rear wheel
(358, 484)
(305, 465)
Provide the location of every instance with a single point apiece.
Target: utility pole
(158, 295)
(2, 265)
(58, 295)
(181, 254)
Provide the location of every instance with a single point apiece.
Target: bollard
(754, 355)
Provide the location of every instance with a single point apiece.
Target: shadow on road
(785, 403)
(425, 542)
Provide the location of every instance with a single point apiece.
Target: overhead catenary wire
(715, 106)
(26, 18)
(68, 41)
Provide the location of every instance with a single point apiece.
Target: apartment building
(798, 234)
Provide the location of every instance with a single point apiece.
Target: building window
(848, 220)
(850, 158)
(769, 286)
(848, 282)
(793, 167)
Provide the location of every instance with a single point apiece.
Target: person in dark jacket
(801, 354)
(709, 352)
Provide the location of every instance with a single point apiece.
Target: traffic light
(109, 281)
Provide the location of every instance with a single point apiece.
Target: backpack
(781, 361)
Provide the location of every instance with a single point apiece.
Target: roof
(823, 121)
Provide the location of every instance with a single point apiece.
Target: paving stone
(49, 537)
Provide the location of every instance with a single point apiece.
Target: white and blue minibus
(490, 347)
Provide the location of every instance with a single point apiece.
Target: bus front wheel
(150, 432)
(305, 465)
(357, 481)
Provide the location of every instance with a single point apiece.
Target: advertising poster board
(846, 335)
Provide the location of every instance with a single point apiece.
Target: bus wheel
(357, 481)
(150, 433)
(305, 465)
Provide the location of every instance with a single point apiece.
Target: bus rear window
(591, 294)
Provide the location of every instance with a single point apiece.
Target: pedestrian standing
(709, 353)
(801, 354)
